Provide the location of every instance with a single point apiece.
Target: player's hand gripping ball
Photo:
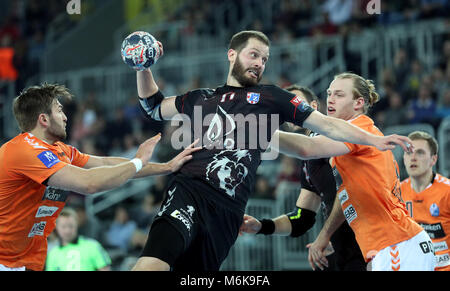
(140, 50)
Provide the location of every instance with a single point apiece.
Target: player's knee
(150, 264)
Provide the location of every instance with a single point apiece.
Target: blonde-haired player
(368, 194)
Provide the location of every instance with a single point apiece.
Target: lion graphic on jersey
(230, 172)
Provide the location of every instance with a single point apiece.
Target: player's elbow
(305, 153)
(90, 186)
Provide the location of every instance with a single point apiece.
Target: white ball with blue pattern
(140, 50)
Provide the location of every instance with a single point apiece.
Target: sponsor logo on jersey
(350, 213)
(37, 229)
(440, 246)
(252, 97)
(301, 105)
(426, 247)
(54, 194)
(434, 210)
(48, 158)
(185, 216)
(442, 260)
(434, 230)
(45, 211)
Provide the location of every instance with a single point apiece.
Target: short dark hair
(309, 94)
(432, 142)
(240, 39)
(36, 100)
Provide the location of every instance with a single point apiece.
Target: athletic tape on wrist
(137, 163)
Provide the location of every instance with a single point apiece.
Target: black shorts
(192, 233)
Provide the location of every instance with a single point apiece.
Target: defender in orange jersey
(368, 194)
(427, 195)
(37, 170)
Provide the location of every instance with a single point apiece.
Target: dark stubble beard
(59, 133)
(238, 72)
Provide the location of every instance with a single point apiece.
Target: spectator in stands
(443, 108)
(289, 170)
(395, 114)
(339, 11)
(88, 121)
(263, 190)
(157, 189)
(433, 8)
(87, 226)
(121, 229)
(8, 72)
(75, 252)
(423, 108)
(414, 78)
(144, 213)
(444, 59)
(440, 84)
(129, 146)
(117, 128)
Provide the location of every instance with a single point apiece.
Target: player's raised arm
(140, 50)
(152, 100)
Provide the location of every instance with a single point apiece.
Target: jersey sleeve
(77, 158)
(36, 164)
(291, 107)
(305, 179)
(185, 103)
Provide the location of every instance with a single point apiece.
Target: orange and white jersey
(369, 193)
(28, 208)
(431, 209)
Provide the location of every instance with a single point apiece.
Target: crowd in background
(410, 92)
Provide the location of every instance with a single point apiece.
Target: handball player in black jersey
(318, 190)
(203, 209)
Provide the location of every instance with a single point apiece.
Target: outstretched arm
(304, 147)
(89, 181)
(340, 130)
(149, 169)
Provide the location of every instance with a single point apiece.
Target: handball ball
(140, 50)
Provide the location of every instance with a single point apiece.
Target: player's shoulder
(441, 180)
(65, 147)
(24, 142)
(202, 92)
(273, 89)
